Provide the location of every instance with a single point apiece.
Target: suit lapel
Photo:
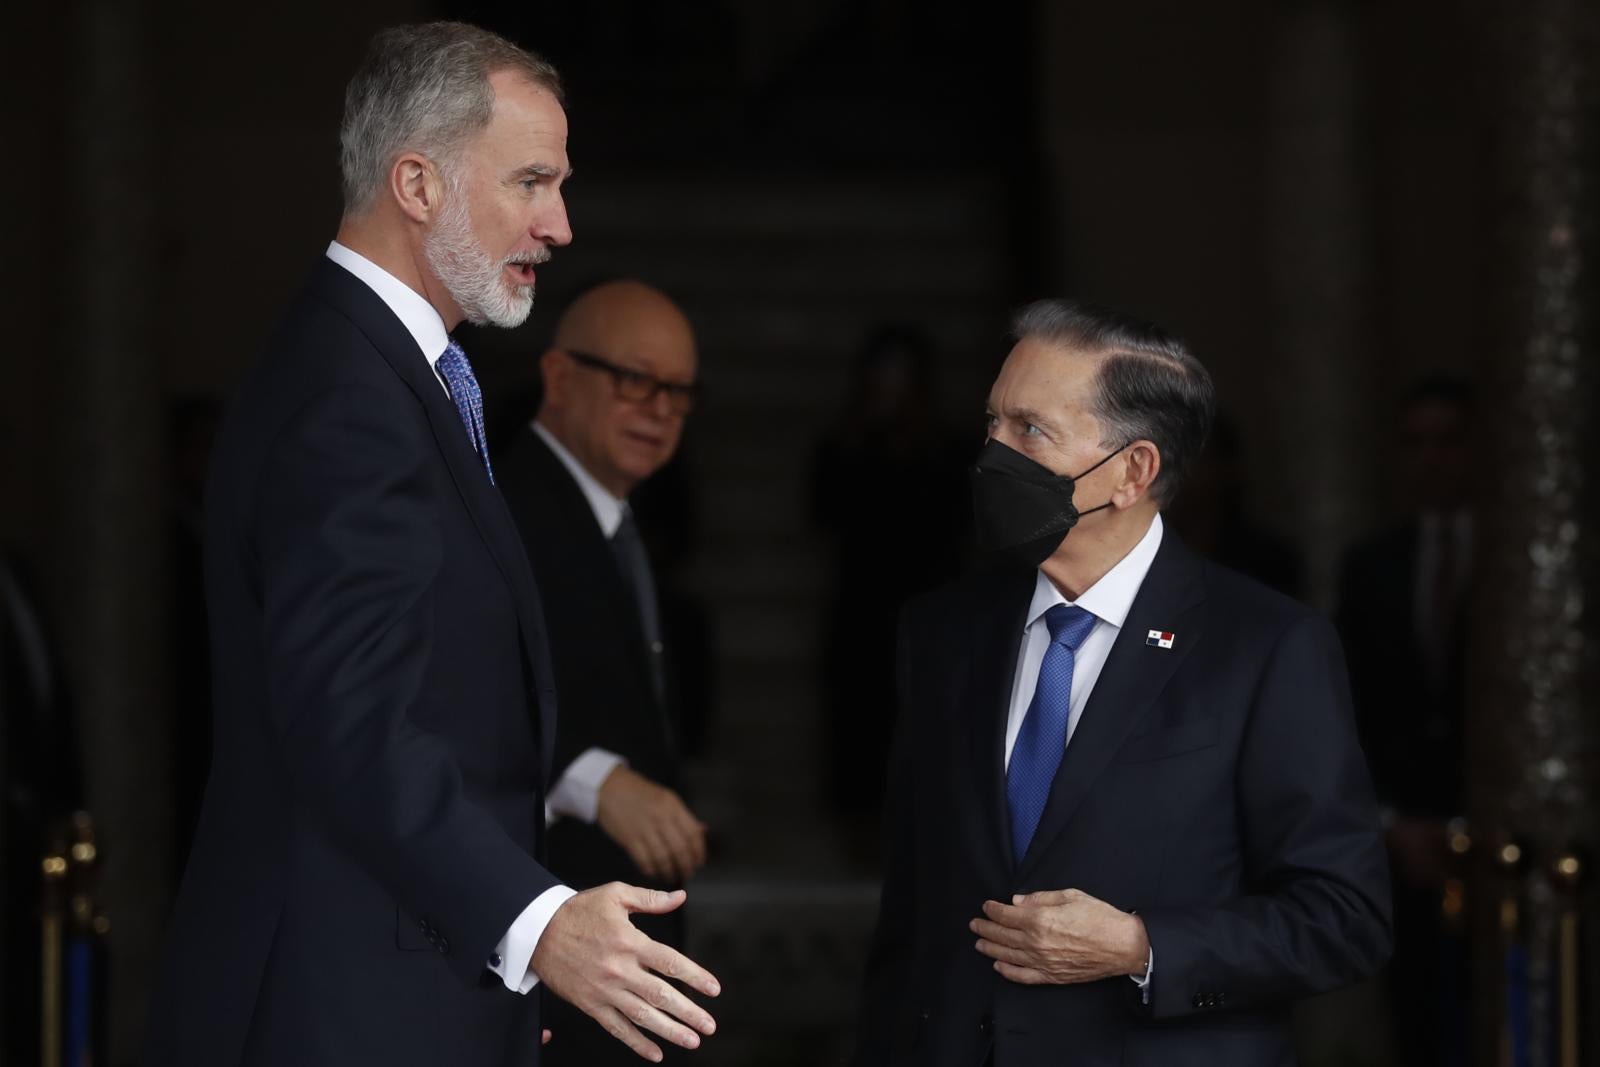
(552, 481)
(600, 568)
(483, 501)
(1133, 677)
(987, 700)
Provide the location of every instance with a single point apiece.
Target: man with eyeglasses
(619, 381)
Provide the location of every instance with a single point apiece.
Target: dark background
(1322, 197)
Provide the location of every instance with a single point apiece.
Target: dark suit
(608, 694)
(1412, 725)
(1216, 788)
(383, 697)
(1410, 721)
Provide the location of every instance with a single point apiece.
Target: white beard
(474, 280)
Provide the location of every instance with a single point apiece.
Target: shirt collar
(420, 318)
(1110, 598)
(608, 510)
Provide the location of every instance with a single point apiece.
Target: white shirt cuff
(577, 792)
(510, 957)
(1143, 980)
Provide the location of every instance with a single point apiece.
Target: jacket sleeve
(349, 555)
(885, 1003)
(1317, 913)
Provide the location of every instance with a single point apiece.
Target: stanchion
(72, 971)
(1566, 874)
(52, 923)
(1454, 960)
(1514, 1029)
(83, 959)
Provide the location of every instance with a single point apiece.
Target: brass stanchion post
(50, 971)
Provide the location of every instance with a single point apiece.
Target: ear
(1141, 465)
(417, 186)
(555, 368)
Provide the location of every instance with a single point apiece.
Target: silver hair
(423, 88)
(1149, 387)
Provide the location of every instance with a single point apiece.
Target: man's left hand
(1060, 937)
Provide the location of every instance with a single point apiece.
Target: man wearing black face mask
(1129, 821)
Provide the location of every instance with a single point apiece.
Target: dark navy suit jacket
(384, 716)
(1216, 788)
(608, 701)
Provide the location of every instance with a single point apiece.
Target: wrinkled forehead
(1041, 377)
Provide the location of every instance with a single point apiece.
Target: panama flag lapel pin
(1160, 638)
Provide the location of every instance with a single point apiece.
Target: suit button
(494, 959)
(443, 945)
(1199, 1000)
(985, 1026)
(1222, 998)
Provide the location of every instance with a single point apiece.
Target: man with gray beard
(366, 883)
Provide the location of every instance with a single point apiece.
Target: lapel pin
(1160, 639)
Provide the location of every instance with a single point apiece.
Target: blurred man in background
(619, 380)
(1213, 517)
(889, 463)
(1403, 598)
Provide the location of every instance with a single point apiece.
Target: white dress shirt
(426, 327)
(1108, 600)
(576, 793)
(418, 316)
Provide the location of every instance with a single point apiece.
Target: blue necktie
(468, 397)
(1042, 741)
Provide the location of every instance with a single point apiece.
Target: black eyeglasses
(637, 387)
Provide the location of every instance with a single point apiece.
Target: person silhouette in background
(887, 489)
(1214, 518)
(1403, 597)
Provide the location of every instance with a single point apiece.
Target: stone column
(1535, 751)
(107, 472)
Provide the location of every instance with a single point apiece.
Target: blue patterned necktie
(468, 397)
(1042, 741)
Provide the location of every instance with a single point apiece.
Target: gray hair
(1148, 385)
(423, 88)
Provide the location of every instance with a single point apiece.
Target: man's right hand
(592, 956)
(653, 826)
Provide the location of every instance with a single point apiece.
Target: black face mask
(1024, 509)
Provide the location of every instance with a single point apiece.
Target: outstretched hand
(592, 956)
(1060, 937)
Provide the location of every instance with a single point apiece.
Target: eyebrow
(1044, 422)
(540, 170)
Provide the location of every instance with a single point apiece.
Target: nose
(551, 226)
(661, 405)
